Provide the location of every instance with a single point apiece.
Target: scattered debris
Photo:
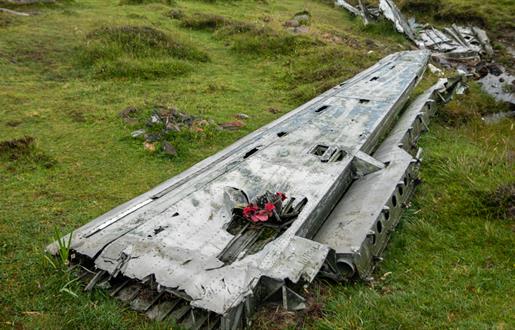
(367, 13)
(466, 48)
(273, 110)
(435, 70)
(161, 125)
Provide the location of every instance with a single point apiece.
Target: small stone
(172, 127)
(482, 71)
(301, 29)
(138, 133)
(273, 110)
(303, 19)
(149, 146)
(155, 119)
(232, 125)
(495, 70)
(291, 23)
(169, 149)
(242, 116)
(152, 137)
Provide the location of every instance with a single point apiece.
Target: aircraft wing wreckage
(317, 191)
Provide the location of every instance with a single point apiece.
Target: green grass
(66, 73)
(496, 15)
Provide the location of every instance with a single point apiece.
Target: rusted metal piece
(164, 250)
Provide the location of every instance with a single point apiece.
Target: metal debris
(500, 85)
(454, 46)
(367, 13)
(182, 251)
(359, 227)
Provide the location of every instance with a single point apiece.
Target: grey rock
(138, 133)
(291, 23)
(152, 137)
(169, 149)
(242, 116)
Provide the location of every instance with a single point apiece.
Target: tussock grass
(6, 20)
(475, 105)
(22, 155)
(248, 38)
(145, 2)
(138, 52)
(497, 16)
(322, 68)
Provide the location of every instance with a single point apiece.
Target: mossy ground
(451, 261)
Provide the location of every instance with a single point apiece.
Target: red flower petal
(281, 195)
(249, 210)
(269, 207)
(259, 217)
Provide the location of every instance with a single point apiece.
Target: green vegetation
(137, 52)
(66, 156)
(498, 16)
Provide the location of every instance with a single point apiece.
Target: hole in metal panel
(379, 226)
(394, 201)
(319, 150)
(345, 268)
(364, 101)
(339, 156)
(386, 214)
(322, 108)
(281, 134)
(374, 78)
(250, 153)
(401, 191)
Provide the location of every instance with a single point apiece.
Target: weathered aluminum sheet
(174, 234)
(391, 12)
(453, 44)
(361, 223)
